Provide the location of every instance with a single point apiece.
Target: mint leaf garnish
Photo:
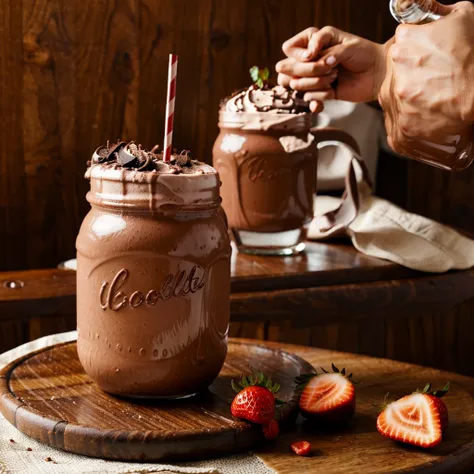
(259, 76)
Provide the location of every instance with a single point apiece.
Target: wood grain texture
(75, 74)
(13, 206)
(359, 448)
(321, 264)
(52, 388)
(47, 396)
(349, 303)
(332, 297)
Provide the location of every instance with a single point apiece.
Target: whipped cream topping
(127, 176)
(278, 100)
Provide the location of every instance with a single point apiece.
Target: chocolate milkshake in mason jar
(153, 274)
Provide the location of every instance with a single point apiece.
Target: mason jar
(153, 282)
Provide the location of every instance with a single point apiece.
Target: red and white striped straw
(170, 100)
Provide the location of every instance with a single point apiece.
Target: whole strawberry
(328, 397)
(255, 399)
(418, 419)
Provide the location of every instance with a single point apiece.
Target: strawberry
(416, 419)
(255, 400)
(327, 397)
(435, 396)
(271, 430)
(301, 448)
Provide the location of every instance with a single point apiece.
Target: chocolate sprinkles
(134, 157)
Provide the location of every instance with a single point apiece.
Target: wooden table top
(320, 265)
(358, 447)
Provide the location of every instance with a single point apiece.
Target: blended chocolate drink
(267, 158)
(153, 274)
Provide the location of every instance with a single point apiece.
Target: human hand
(429, 87)
(316, 57)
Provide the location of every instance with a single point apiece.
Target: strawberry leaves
(441, 392)
(302, 380)
(259, 76)
(436, 393)
(335, 370)
(258, 379)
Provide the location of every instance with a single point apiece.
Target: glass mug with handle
(269, 180)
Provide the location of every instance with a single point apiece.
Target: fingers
(316, 106)
(313, 83)
(315, 98)
(284, 80)
(296, 47)
(306, 46)
(337, 54)
(319, 91)
(294, 68)
(328, 94)
(324, 38)
(332, 57)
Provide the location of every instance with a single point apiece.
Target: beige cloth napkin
(16, 459)
(380, 229)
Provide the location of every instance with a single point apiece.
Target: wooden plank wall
(78, 72)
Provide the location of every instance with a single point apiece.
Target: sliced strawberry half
(414, 419)
(328, 397)
(436, 396)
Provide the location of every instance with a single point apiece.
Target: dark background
(75, 73)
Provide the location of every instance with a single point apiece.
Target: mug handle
(350, 205)
(330, 134)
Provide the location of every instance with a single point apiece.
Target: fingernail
(306, 54)
(331, 60)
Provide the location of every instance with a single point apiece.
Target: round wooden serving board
(48, 396)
